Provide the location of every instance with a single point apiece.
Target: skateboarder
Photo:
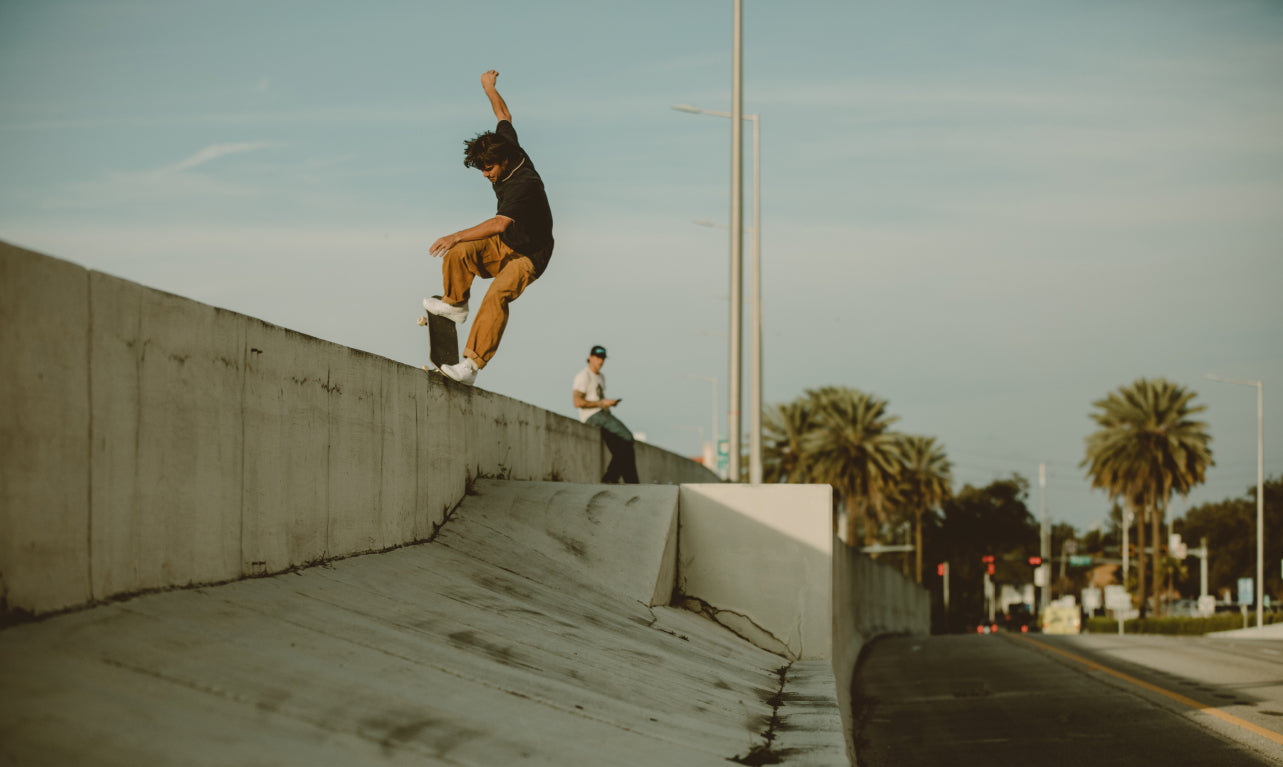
(589, 393)
(512, 248)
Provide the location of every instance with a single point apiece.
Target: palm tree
(926, 480)
(1146, 448)
(783, 428)
(850, 447)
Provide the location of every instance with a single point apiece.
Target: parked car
(1019, 619)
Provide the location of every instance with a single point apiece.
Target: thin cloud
(168, 184)
(214, 152)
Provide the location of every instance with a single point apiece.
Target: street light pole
(1260, 489)
(755, 310)
(755, 322)
(737, 232)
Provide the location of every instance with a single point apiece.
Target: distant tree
(1146, 447)
(924, 483)
(851, 447)
(783, 428)
(979, 521)
(1230, 529)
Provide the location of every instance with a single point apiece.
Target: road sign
(1117, 598)
(1246, 594)
(723, 457)
(1041, 574)
(1080, 561)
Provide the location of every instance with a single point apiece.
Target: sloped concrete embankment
(148, 441)
(533, 629)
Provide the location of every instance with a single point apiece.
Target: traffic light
(940, 569)
(990, 566)
(1035, 561)
(987, 559)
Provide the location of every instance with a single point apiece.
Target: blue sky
(989, 213)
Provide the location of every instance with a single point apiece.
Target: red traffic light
(991, 568)
(988, 559)
(940, 569)
(1035, 561)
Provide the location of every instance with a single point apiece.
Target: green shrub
(1181, 626)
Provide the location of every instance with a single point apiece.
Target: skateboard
(443, 341)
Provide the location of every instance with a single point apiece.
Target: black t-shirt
(521, 198)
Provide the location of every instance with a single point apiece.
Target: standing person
(512, 248)
(589, 392)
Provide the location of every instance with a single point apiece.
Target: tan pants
(510, 274)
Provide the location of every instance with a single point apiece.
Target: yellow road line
(1216, 712)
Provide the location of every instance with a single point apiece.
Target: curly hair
(487, 149)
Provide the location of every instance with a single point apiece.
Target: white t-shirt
(593, 387)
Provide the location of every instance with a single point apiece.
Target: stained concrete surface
(473, 649)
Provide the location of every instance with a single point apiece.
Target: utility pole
(1045, 549)
(946, 588)
(1201, 553)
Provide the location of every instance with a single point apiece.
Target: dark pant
(623, 460)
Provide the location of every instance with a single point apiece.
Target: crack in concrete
(655, 619)
(763, 754)
(449, 515)
(697, 605)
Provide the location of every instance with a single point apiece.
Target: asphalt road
(1097, 700)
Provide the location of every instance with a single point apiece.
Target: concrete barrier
(44, 433)
(150, 441)
(870, 600)
(758, 559)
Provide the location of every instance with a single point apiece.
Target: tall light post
(755, 311)
(1260, 489)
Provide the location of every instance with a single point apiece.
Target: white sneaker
(465, 372)
(458, 313)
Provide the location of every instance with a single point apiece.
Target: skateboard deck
(443, 341)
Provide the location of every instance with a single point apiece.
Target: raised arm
(496, 101)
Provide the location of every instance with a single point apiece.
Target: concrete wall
(758, 559)
(149, 441)
(763, 561)
(870, 599)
